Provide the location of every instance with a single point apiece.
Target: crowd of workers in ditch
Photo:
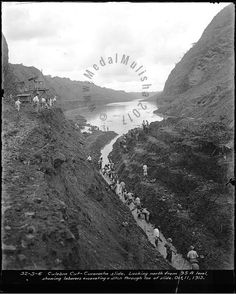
(39, 103)
(130, 198)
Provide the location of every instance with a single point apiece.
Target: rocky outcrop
(201, 84)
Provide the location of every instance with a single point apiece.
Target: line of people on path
(130, 198)
(43, 103)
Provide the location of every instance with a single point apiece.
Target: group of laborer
(192, 255)
(120, 189)
(43, 103)
(130, 198)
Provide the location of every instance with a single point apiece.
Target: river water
(119, 117)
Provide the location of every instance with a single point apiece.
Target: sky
(66, 39)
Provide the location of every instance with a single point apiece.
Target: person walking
(17, 104)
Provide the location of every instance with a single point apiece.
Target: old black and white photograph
(118, 145)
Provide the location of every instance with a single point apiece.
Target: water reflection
(119, 117)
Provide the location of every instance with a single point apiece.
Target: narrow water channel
(120, 118)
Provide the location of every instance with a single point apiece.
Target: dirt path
(178, 261)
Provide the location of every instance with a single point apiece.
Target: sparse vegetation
(186, 173)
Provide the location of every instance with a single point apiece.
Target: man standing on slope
(129, 198)
(100, 163)
(169, 249)
(193, 256)
(118, 188)
(36, 102)
(145, 170)
(137, 203)
(18, 103)
(50, 102)
(44, 103)
(122, 184)
(156, 233)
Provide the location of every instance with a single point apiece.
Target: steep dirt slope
(185, 191)
(57, 210)
(201, 84)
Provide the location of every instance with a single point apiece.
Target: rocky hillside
(185, 191)
(201, 84)
(58, 213)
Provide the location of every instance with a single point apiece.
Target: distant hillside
(201, 84)
(139, 94)
(70, 93)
